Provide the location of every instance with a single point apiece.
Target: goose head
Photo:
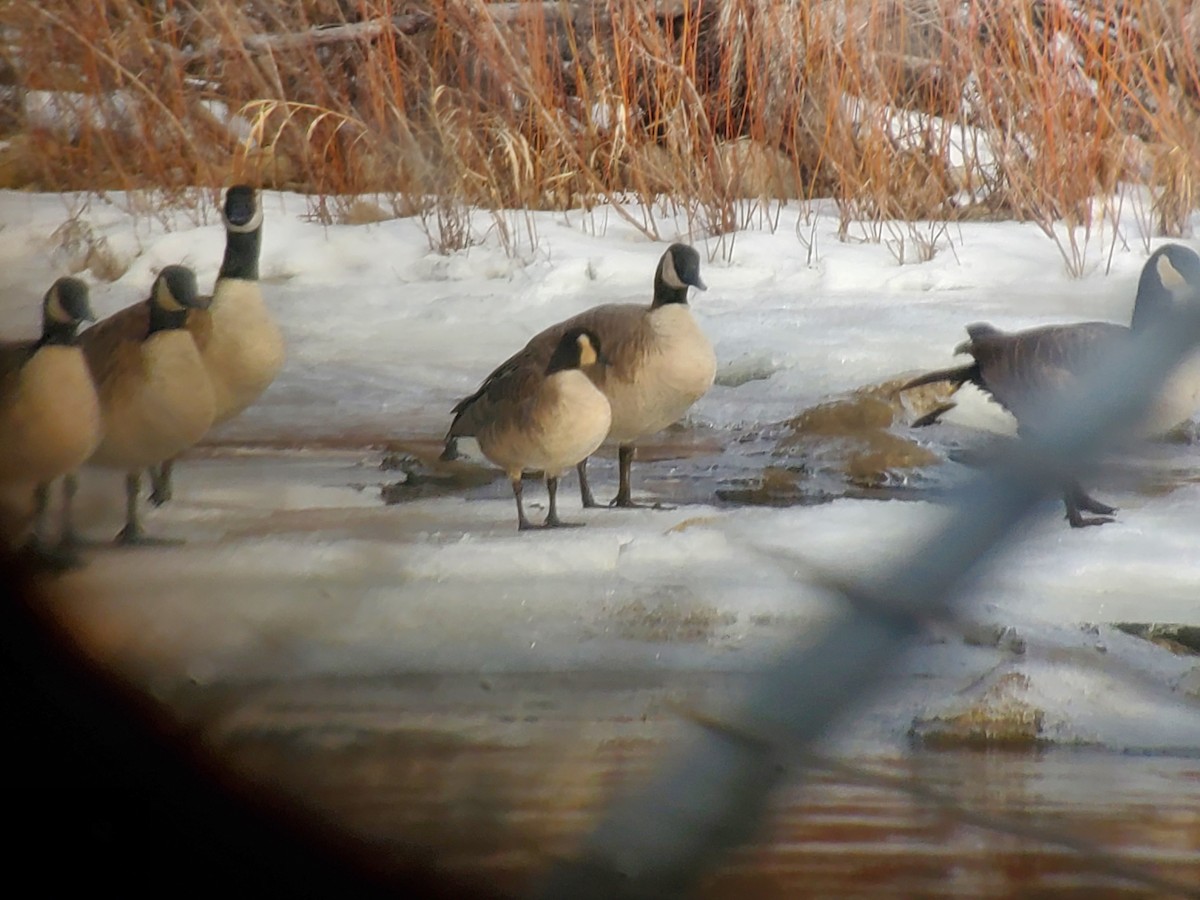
(242, 212)
(1171, 276)
(173, 295)
(66, 305)
(678, 270)
(578, 348)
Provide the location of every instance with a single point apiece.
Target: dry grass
(909, 113)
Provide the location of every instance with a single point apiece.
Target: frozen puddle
(423, 675)
(295, 567)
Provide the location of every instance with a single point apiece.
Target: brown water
(499, 777)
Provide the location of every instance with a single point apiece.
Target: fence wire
(711, 794)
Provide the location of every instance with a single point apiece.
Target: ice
(294, 565)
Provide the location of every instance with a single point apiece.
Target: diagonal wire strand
(710, 795)
(820, 576)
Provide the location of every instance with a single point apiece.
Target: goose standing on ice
(1018, 369)
(49, 411)
(544, 421)
(155, 396)
(660, 363)
(238, 339)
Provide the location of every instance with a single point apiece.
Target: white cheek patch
(164, 298)
(54, 308)
(669, 276)
(1170, 276)
(253, 225)
(587, 352)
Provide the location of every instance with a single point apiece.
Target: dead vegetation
(908, 113)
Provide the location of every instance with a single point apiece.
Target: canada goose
(155, 396)
(545, 420)
(1017, 369)
(49, 411)
(238, 339)
(660, 363)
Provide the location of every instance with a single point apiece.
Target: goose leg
(585, 489)
(41, 502)
(59, 558)
(523, 524)
(132, 533)
(69, 539)
(552, 519)
(160, 482)
(625, 488)
(624, 497)
(1077, 502)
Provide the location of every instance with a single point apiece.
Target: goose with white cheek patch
(1019, 369)
(49, 411)
(660, 363)
(545, 421)
(155, 396)
(239, 341)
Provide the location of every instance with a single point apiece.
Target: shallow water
(497, 777)
(307, 578)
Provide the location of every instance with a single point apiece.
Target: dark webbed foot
(135, 537)
(559, 523)
(132, 534)
(161, 490)
(1078, 501)
(1078, 520)
(1092, 505)
(630, 503)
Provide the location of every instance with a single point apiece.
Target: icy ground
(296, 566)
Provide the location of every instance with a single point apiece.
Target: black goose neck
(58, 334)
(166, 319)
(241, 254)
(564, 358)
(664, 293)
(1153, 300)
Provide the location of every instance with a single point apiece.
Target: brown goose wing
(13, 355)
(499, 397)
(1018, 369)
(113, 345)
(616, 324)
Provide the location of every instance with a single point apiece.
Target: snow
(294, 566)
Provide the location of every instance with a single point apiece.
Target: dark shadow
(102, 789)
